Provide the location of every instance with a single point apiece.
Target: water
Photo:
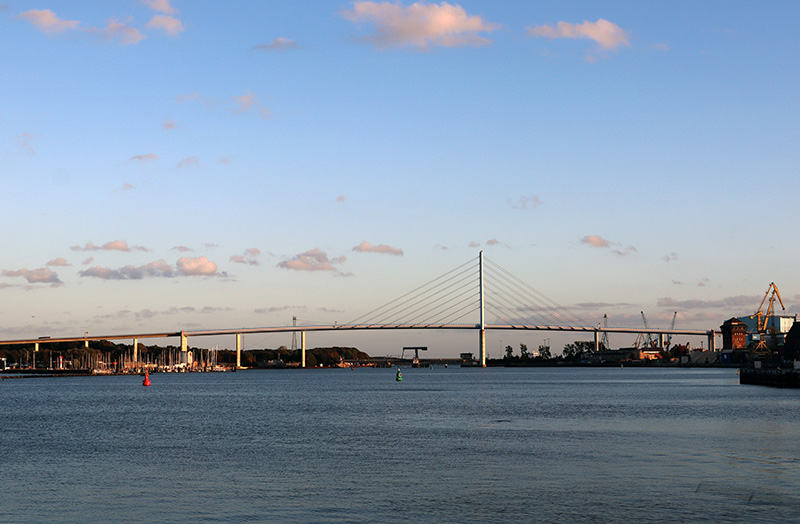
(443, 446)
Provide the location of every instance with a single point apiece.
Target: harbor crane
(762, 318)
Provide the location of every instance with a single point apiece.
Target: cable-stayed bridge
(460, 299)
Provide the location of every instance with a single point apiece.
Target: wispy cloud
(121, 32)
(279, 44)
(340, 198)
(598, 241)
(114, 245)
(143, 159)
(161, 6)
(366, 247)
(127, 187)
(739, 301)
(169, 125)
(607, 35)
(47, 21)
(250, 257)
(420, 25)
(40, 275)
(525, 202)
(24, 142)
(58, 262)
(182, 249)
(312, 260)
(170, 25)
(669, 258)
(188, 161)
(248, 102)
(495, 242)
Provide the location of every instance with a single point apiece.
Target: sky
(171, 165)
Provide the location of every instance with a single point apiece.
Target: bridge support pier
(712, 345)
(303, 349)
(184, 347)
(482, 343)
(596, 341)
(135, 353)
(238, 350)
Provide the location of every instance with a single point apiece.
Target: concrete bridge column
(482, 344)
(712, 345)
(35, 350)
(596, 341)
(238, 350)
(184, 347)
(302, 349)
(135, 352)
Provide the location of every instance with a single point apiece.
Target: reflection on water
(445, 445)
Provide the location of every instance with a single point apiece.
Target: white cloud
(366, 247)
(420, 25)
(47, 21)
(170, 25)
(312, 260)
(607, 35)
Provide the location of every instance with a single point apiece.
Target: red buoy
(146, 381)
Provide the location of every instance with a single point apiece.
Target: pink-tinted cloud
(340, 198)
(170, 25)
(248, 102)
(87, 261)
(250, 257)
(312, 260)
(474, 244)
(24, 143)
(58, 262)
(40, 275)
(182, 249)
(127, 187)
(595, 241)
(169, 125)
(162, 6)
(200, 266)
(607, 35)
(279, 44)
(114, 245)
(46, 21)
(143, 159)
(495, 242)
(366, 247)
(735, 302)
(188, 161)
(121, 32)
(420, 25)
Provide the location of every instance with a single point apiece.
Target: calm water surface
(443, 446)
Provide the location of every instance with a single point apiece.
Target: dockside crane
(762, 318)
(668, 341)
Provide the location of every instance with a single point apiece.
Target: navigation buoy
(146, 381)
(399, 375)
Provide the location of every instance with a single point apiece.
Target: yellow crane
(762, 318)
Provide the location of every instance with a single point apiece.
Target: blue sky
(186, 165)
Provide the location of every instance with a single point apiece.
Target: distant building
(777, 328)
(734, 334)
